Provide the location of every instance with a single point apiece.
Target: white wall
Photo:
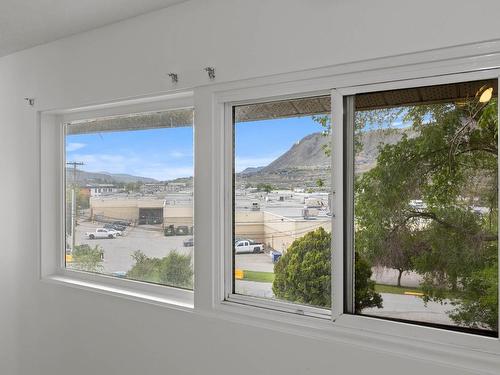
(46, 329)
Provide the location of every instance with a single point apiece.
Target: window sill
(365, 334)
(132, 290)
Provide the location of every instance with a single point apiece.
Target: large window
(424, 167)
(419, 210)
(129, 197)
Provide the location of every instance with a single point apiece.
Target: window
(418, 213)
(421, 170)
(121, 217)
(281, 201)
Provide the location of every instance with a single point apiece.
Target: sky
(162, 154)
(166, 154)
(258, 143)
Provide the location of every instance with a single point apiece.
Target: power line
(73, 203)
(74, 164)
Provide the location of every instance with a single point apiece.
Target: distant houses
(159, 187)
(97, 190)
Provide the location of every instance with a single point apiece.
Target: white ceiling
(27, 23)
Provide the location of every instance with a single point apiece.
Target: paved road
(397, 306)
(254, 262)
(400, 306)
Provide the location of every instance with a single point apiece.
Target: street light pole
(73, 203)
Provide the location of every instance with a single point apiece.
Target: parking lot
(118, 252)
(152, 242)
(254, 262)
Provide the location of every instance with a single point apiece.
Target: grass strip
(258, 276)
(393, 289)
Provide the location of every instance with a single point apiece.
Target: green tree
(145, 268)
(303, 274)
(130, 187)
(133, 187)
(265, 187)
(478, 304)
(448, 161)
(87, 258)
(320, 183)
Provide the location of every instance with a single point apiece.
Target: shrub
(175, 269)
(86, 258)
(303, 274)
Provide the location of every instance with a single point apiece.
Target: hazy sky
(165, 154)
(162, 154)
(258, 143)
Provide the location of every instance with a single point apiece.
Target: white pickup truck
(248, 246)
(102, 233)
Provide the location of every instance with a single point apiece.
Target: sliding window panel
(282, 201)
(425, 201)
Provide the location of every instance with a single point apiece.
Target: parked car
(118, 228)
(189, 242)
(105, 219)
(182, 230)
(248, 246)
(102, 233)
(169, 231)
(123, 223)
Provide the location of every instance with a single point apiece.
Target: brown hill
(306, 162)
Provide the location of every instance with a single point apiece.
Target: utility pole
(73, 203)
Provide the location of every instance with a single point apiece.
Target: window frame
(229, 294)
(339, 322)
(343, 191)
(52, 124)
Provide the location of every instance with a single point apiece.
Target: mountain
(84, 177)
(306, 162)
(251, 170)
(305, 154)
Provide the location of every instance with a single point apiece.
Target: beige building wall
(280, 231)
(275, 231)
(178, 215)
(118, 213)
(121, 208)
(250, 224)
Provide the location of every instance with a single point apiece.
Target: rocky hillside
(306, 160)
(366, 159)
(305, 154)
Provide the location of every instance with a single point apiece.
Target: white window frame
(367, 322)
(52, 206)
(458, 348)
(271, 304)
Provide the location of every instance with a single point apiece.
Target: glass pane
(426, 204)
(129, 197)
(281, 200)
